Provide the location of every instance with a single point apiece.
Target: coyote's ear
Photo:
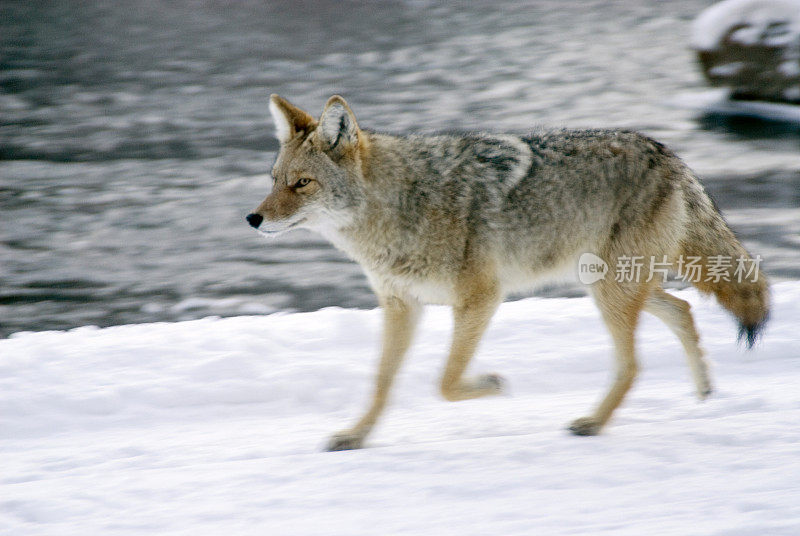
(338, 130)
(289, 119)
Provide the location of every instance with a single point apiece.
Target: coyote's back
(465, 219)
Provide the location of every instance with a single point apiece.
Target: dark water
(134, 136)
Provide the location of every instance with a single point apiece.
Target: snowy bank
(753, 19)
(215, 426)
(751, 47)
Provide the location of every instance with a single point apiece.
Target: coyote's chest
(413, 273)
(405, 267)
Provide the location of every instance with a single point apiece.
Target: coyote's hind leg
(620, 306)
(676, 314)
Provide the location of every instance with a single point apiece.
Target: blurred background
(135, 136)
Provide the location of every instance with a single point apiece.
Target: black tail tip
(750, 333)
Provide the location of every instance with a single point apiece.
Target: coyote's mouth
(276, 232)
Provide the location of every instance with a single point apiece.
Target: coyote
(463, 220)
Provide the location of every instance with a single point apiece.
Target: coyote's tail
(725, 269)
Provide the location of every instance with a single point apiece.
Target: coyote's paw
(585, 426)
(492, 383)
(704, 387)
(345, 441)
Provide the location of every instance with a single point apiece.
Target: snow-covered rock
(216, 427)
(751, 47)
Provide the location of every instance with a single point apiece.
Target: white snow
(216, 426)
(754, 15)
(789, 68)
(728, 69)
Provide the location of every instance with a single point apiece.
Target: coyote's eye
(302, 182)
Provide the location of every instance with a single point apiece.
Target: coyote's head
(317, 179)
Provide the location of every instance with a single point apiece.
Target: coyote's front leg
(399, 320)
(471, 315)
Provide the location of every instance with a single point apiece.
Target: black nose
(254, 220)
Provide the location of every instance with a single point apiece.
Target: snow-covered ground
(216, 427)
